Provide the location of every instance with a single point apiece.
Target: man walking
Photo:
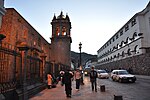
(67, 80)
(93, 76)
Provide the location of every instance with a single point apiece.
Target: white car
(122, 76)
(102, 74)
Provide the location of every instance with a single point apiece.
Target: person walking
(60, 77)
(67, 80)
(93, 77)
(49, 80)
(78, 79)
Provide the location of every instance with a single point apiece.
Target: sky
(93, 22)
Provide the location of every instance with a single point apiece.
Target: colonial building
(18, 66)
(18, 30)
(131, 40)
(26, 57)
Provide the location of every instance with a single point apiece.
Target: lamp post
(80, 46)
(80, 64)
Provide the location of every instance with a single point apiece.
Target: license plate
(130, 80)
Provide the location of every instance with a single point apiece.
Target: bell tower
(61, 40)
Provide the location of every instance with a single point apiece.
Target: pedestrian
(49, 80)
(130, 70)
(93, 77)
(77, 76)
(67, 80)
(60, 77)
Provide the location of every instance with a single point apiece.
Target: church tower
(61, 40)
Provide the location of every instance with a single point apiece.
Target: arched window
(108, 59)
(64, 31)
(121, 44)
(110, 50)
(129, 52)
(136, 49)
(114, 56)
(123, 54)
(57, 31)
(118, 55)
(126, 42)
(129, 40)
(118, 46)
(134, 35)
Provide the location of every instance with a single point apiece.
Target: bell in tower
(61, 40)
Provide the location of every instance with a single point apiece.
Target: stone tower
(61, 40)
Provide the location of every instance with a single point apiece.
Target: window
(110, 42)
(113, 39)
(107, 44)
(57, 31)
(116, 36)
(133, 22)
(126, 28)
(129, 52)
(118, 55)
(34, 43)
(121, 32)
(64, 31)
(134, 35)
(39, 42)
(123, 54)
(136, 49)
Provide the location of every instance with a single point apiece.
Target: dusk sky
(93, 21)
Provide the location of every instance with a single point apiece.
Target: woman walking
(78, 79)
(49, 80)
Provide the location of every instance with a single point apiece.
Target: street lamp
(80, 64)
(80, 46)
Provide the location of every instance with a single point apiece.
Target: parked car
(102, 74)
(122, 76)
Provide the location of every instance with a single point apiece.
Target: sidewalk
(85, 93)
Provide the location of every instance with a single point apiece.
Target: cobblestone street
(129, 91)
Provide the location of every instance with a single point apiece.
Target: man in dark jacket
(93, 76)
(67, 80)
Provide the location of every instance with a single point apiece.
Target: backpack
(93, 74)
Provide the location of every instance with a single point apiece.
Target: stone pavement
(85, 93)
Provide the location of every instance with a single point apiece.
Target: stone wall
(140, 64)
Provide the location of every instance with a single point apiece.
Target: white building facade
(131, 40)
